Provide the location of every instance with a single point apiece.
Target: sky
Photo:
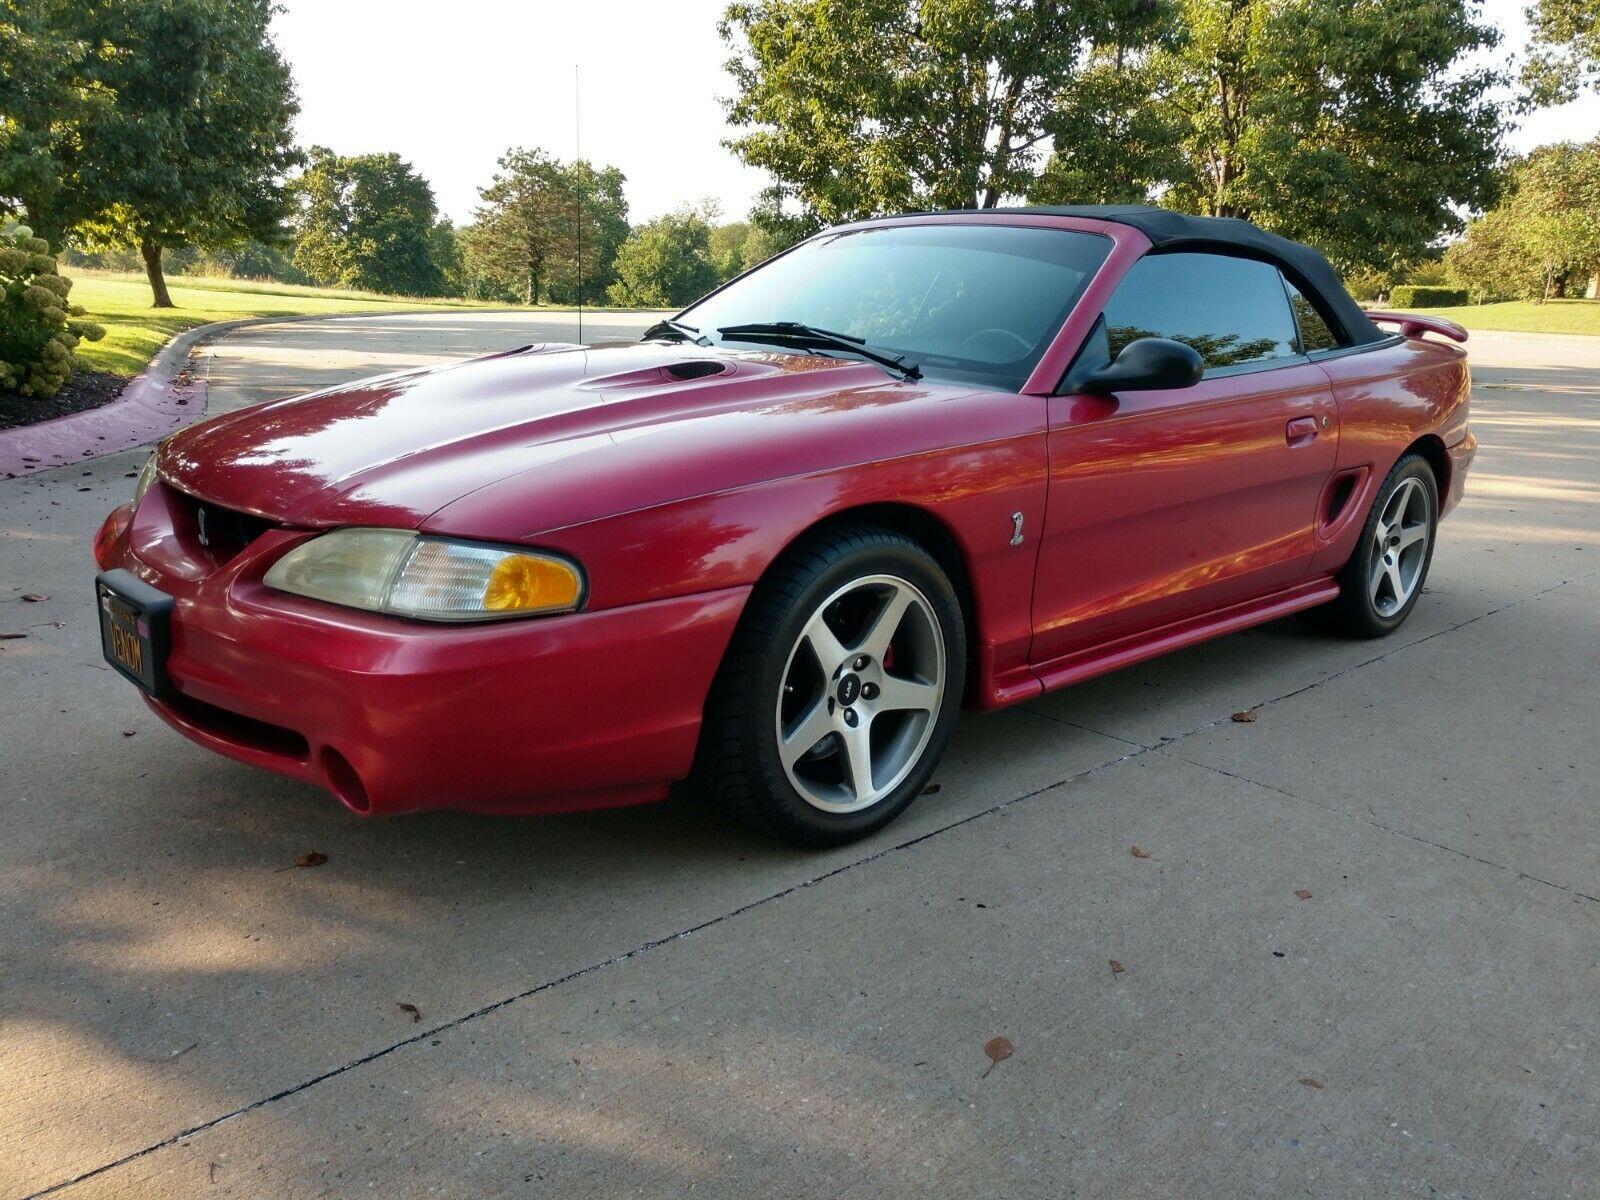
(450, 86)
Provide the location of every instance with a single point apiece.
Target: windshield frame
(1046, 350)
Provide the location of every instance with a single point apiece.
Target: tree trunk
(151, 253)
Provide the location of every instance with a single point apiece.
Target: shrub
(1416, 295)
(38, 332)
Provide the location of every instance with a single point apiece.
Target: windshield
(970, 303)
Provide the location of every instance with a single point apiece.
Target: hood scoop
(682, 370)
(695, 368)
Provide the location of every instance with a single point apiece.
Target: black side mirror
(1146, 364)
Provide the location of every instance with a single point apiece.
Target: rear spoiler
(1413, 326)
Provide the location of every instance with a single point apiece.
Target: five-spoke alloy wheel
(1400, 543)
(861, 694)
(840, 690)
(1380, 584)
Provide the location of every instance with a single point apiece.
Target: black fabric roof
(1168, 231)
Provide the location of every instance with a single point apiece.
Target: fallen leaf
(1139, 852)
(931, 789)
(998, 1049)
(1244, 718)
(1310, 1082)
(129, 732)
(311, 858)
(416, 1013)
(1117, 968)
(34, 597)
(1303, 894)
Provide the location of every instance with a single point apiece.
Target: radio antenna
(577, 169)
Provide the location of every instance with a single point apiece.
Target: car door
(1168, 505)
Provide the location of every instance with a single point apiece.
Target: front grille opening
(240, 730)
(225, 532)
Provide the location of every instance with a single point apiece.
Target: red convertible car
(935, 460)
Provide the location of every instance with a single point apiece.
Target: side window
(1234, 311)
(1314, 331)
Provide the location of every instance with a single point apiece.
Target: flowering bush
(38, 332)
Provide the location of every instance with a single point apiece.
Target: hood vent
(695, 368)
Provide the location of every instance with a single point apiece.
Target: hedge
(1418, 295)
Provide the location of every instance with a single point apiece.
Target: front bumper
(545, 715)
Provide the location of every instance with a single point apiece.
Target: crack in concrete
(759, 902)
(1381, 825)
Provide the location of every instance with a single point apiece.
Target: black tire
(739, 764)
(1355, 613)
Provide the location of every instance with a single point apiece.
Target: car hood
(396, 449)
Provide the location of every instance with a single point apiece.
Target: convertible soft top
(1169, 231)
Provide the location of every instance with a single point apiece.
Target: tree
(180, 132)
(537, 216)
(665, 263)
(862, 106)
(43, 66)
(1566, 44)
(596, 194)
(1544, 237)
(367, 221)
(1355, 125)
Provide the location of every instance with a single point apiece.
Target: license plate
(134, 627)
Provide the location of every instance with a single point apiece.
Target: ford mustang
(911, 465)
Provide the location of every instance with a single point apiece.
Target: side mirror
(1146, 364)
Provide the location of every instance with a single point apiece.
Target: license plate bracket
(135, 629)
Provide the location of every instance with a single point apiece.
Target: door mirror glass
(1146, 364)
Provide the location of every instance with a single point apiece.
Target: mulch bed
(85, 390)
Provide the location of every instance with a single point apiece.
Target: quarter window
(1314, 331)
(1234, 311)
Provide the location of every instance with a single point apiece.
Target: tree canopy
(1566, 45)
(367, 221)
(859, 107)
(163, 122)
(1543, 239)
(1357, 125)
(1350, 124)
(537, 216)
(666, 263)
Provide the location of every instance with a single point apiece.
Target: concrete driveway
(651, 1002)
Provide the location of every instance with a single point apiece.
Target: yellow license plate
(134, 620)
(126, 648)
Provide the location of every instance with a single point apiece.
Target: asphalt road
(650, 1002)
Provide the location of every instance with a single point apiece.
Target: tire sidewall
(890, 557)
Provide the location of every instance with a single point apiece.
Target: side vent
(1339, 502)
(1343, 489)
(694, 368)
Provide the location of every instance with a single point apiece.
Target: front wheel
(840, 690)
(1380, 584)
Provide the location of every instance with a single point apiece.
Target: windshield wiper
(810, 335)
(668, 327)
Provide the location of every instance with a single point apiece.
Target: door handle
(1301, 431)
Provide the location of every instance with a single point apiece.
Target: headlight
(431, 579)
(147, 476)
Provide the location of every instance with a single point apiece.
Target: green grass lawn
(135, 331)
(1524, 316)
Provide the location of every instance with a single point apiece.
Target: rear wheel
(840, 690)
(1380, 584)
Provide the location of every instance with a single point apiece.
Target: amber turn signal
(526, 583)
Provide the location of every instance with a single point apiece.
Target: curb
(155, 402)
